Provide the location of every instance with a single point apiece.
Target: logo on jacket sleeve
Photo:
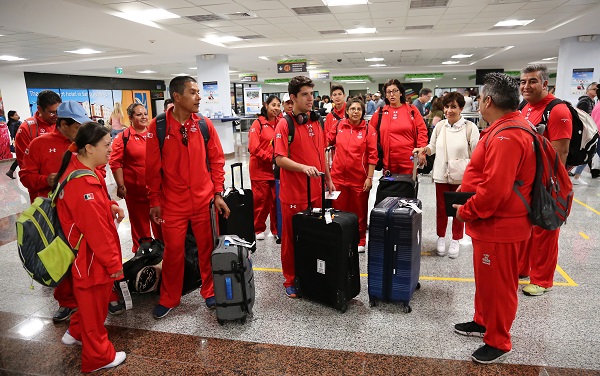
(52, 150)
(150, 135)
(486, 259)
(278, 135)
(88, 196)
(27, 151)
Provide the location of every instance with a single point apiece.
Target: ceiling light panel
(513, 23)
(362, 30)
(306, 11)
(84, 51)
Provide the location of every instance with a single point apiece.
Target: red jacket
(401, 131)
(132, 159)
(330, 120)
(355, 150)
(178, 180)
(495, 213)
(307, 148)
(28, 130)
(260, 145)
(42, 158)
(85, 208)
(560, 122)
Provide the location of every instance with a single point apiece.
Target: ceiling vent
(305, 11)
(240, 15)
(329, 32)
(419, 4)
(419, 27)
(205, 18)
(255, 36)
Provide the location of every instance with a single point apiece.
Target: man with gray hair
(496, 218)
(539, 259)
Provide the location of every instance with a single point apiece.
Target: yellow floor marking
(586, 206)
(560, 270)
(583, 235)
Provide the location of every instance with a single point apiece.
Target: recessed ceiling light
(550, 58)
(378, 65)
(147, 71)
(362, 30)
(461, 56)
(375, 59)
(193, 68)
(84, 51)
(509, 23)
(11, 58)
(233, 71)
(263, 57)
(147, 15)
(337, 3)
(448, 62)
(219, 40)
(179, 74)
(454, 78)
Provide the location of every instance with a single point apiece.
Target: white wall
(574, 54)
(14, 93)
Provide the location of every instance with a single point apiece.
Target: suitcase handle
(322, 175)
(233, 166)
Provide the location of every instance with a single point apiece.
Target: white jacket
(459, 139)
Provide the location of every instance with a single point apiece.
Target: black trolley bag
(233, 277)
(394, 259)
(398, 185)
(326, 254)
(241, 205)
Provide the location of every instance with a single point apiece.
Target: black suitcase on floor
(241, 205)
(326, 255)
(398, 185)
(394, 261)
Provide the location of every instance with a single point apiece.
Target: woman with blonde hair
(116, 120)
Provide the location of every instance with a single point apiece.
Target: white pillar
(14, 93)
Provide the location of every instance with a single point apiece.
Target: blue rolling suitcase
(394, 259)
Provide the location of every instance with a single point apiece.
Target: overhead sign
(423, 75)
(118, 70)
(277, 80)
(248, 77)
(291, 66)
(353, 78)
(319, 74)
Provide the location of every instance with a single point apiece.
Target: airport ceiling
(412, 36)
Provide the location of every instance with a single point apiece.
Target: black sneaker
(11, 174)
(487, 354)
(116, 308)
(160, 311)
(63, 313)
(471, 329)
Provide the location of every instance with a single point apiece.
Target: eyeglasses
(184, 135)
(393, 91)
(352, 109)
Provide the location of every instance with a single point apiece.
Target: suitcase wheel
(221, 322)
(418, 285)
(298, 287)
(372, 302)
(342, 303)
(243, 320)
(406, 307)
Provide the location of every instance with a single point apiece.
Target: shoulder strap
(291, 130)
(161, 129)
(336, 115)
(73, 175)
(126, 139)
(548, 109)
(206, 135)
(522, 104)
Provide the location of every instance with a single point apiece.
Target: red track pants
(64, 295)
(354, 200)
(496, 284)
(539, 258)
(139, 217)
(264, 204)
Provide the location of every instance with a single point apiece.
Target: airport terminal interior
(556, 333)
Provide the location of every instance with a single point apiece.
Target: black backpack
(140, 272)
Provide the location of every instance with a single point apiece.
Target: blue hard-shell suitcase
(394, 260)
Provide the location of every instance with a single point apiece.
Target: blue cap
(73, 110)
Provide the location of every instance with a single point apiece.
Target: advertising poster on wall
(143, 97)
(78, 95)
(125, 97)
(32, 95)
(252, 100)
(210, 92)
(580, 80)
(101, 105)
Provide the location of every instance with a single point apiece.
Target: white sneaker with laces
(260, 236)
(577, 181)
(441, 247)
(68, 339)
(119, 358)
(453, 249)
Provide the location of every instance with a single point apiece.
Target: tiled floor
(555, 334)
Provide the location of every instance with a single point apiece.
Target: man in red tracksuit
(338, 111)
(539, 259)
(497, 219)
(304, 156)
(180, 189)
(42, 122)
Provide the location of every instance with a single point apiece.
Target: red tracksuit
(85, 209)
(498, 222)
(307, 148)
(355, 150)
(402, 129)
(179, 182)
(331, 121)
(132, 160)
(539, 259)
(28, 130)
(260, 144)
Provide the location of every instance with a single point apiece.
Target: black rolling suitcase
(398, 185)
(326, 254)
(241, 205)
(394, 260)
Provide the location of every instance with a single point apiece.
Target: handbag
(455, 168)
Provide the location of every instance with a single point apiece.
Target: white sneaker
(361, 249)
(454, 248)
(577, 181)
(441, 247)
(260, 236)
(68, 339)
(119, 358)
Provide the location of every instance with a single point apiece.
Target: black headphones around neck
(303, 118)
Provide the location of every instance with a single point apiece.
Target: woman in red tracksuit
(354, 164)
(87, 216)
(260, 145)
(128, 164)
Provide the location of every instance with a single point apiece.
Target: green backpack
(43, 248)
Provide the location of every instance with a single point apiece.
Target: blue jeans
(579, 169)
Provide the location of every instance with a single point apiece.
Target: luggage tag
(126, 294)
(328, 217)
(411, 205)
(241, 191)
(227, 191)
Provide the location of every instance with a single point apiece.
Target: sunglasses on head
(184, 135)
